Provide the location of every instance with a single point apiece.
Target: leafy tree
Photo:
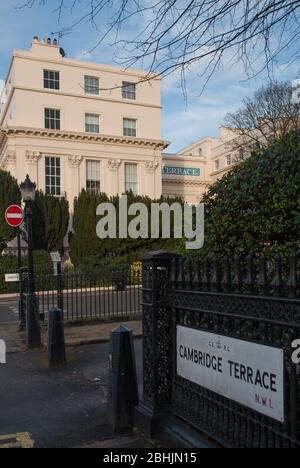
(256, 206)
(9, 195)
(50, 222)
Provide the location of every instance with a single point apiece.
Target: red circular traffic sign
(14, 216)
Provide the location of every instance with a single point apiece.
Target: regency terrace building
(73, 125)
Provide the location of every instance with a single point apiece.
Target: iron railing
(90, 296)
(251, 299)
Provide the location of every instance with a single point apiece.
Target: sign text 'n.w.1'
(248, 373)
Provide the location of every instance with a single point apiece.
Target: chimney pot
(49, 42)
(35, 39)
(55, 42)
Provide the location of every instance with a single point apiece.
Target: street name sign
(248, 373)
(14, 216)
(12, 278)
(55, 257)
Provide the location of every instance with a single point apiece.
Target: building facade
(189, 173)
(73, 125)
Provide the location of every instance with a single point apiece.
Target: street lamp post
(33, 331)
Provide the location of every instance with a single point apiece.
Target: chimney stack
(49, 42)
(36, 39)
(55, 42)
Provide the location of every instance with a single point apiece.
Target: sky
(184, 120)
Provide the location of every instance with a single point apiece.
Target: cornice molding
(187, 182)
(76, 136)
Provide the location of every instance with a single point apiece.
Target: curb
(9, 296)
(95, 341)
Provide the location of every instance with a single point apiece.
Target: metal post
(157, 342)
(22, 319)
(33, 330)
(56, 338)
(60, 287)
(122, 383)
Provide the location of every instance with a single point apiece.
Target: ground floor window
(93, 184)
(53, 176)
(131, 178)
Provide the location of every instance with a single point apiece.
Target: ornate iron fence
(251, 299)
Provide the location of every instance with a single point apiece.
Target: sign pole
(33, 330)
(19, 250)
(21, 302)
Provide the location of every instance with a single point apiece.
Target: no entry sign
(14, 216)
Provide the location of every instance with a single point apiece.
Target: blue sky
(183, 122)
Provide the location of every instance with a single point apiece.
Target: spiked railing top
(252, 275)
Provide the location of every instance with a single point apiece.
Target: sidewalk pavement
(60, 408)
(75, 335)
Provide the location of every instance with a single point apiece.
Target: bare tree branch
(171, 35)
(265, 118)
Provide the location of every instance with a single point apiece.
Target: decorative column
(157, 343)
(32, 159)
(113, 183)
(150, 186)
(73, 188)
(8, 162)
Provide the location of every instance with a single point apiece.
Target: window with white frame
(92, 123)
(129, 127)
(51, 79)
(52, 119)
(129, 90)
(131, 178)
(217, 164)
(91, 85)
(93, 183)
(53, 176)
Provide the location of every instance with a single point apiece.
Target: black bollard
(122, 382)
(56, 338)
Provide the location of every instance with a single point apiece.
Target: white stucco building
(73, 124)
(189, 173)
